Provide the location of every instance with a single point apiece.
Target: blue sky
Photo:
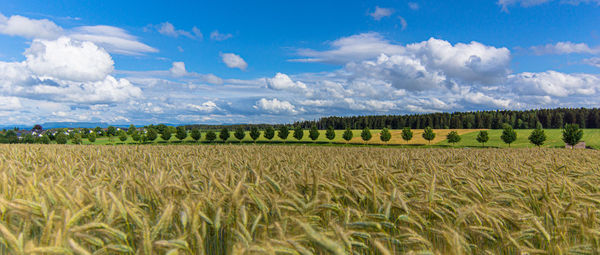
(279, 61)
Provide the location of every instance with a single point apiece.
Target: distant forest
(549, 118)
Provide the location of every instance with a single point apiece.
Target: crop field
(265, 199)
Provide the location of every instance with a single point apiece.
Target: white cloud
(565, 48)
(380, 13)
(555, 84)
(234, 61)
(208, 106)
(67, 59)
(403, 22)
(275, 106)
(482, 99)
(216, 36)
(29, 28)
(113, 39)
(168, 29)
(104, 91)
(352, 48)
(530, 3)
(283, 82)
(178, 69)
(592, 61)
(9, 103)
(413, 6)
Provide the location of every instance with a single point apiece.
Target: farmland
(264, 199)
(591, 137)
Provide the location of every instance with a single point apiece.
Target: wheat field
(264, 199)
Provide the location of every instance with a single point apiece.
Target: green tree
(61, 138)
(76, 139)
(196, 134)
(151, 134)
(347, 134)
(45, 139)
(11, 136)
(239, 134)
(537, 136)
(283, 132)
(92, 137)
(122, 135)
(98, 131)
(181, 133)
(483, 137)
(254, 133)
(131, 129)
(428, 134)
(269, 133)
(571, 134)
(453, 137)
(385, 135)
(313, 133)
(111, 130)
(330, 133)
(224, 134)
(28, 139)
(136, 137)
(298, 133)
(166, 134)
(366, 134)
(211, 136)
(407, 134)
(508, 134)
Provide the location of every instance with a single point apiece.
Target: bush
(537, 136)
(122, 135)
(254, 133)
(269, 133)
(366, 134)
(453, 137)
(313, 134)
(483, 137)
(92, 137)
(196, 134)
(330, 133)
(166, 134)
(181, 133)
(508, 134)
(211, 136)
(572, 134)
(428, 134)
(347, 134)
(239, 134)
(224, 134)
(298, 133)
(283, 133)
(61, 138)
(151, 134)
(385, 135)
(407, 134)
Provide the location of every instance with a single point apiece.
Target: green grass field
(468, 138)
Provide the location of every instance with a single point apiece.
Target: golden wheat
(264, 199)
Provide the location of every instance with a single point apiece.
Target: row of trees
(548, 118)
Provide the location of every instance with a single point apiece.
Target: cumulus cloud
(275, 106)
(9, 103)
(555, 84)
(17, 25)
(67, 59)
(178, 69)
(65, 70)
(380, 13)
(565, 48)
(216, 36)
(283, 82)
(207, 107)
(234, 61)
(113, 39)
(168, 29)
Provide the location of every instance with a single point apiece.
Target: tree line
(571, 135)
(527, 119)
